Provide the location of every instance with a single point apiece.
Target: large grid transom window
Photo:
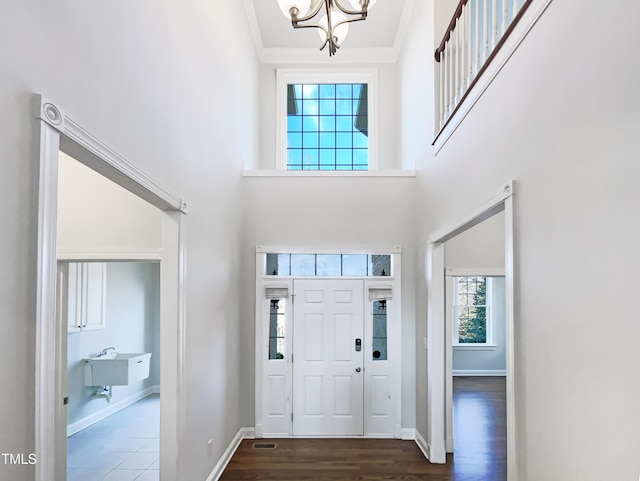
(327, 127)
(327, 120)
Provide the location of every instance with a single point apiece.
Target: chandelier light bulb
(357, 4)
(302, 6)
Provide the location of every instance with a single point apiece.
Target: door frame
(57, 132)
(435, 447)
(286, 282)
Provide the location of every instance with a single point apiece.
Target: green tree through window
(472, 310)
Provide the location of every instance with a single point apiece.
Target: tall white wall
(561, 118)
(332, 213)
(172, 87)
(132, 324)
(482, 246)
(97, 215)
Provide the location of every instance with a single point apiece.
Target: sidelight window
(276, 328)
(379, 351)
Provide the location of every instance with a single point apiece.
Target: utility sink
(116, 369)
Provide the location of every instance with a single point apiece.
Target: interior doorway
(437, 339)
(58, 134)
(475, 313)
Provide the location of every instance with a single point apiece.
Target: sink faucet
(105, 351)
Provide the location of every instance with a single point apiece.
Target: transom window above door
(330, 265)
(327, 120)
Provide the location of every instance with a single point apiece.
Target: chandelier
(333, 25)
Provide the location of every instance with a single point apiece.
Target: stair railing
(476, 32)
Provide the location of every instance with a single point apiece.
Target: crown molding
(313, 56)
(253, 26)
(403, 26)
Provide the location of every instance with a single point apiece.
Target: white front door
(328, 377)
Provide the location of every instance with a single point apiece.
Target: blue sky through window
(327, 127)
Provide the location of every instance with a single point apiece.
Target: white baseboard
(249, 433)
(243, 433)
(437, 453)
(422, 444)
(109, 410)
(480, 372)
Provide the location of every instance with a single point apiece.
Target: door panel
(328, 317)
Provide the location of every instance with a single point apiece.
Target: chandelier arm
(309, 16)
(362, 13)
(320, 27)
(316, 6)
(333, 47)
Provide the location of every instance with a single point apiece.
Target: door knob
(358, 369)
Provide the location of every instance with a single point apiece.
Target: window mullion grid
(335, 130)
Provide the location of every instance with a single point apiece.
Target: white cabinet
(84, 292)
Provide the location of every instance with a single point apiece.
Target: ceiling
(378, 38)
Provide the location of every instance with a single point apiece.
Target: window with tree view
(327, 126)
(470, 311)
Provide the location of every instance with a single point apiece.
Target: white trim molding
(109, 410)
(287, 76)
(313, 56)
(59, 133)
(328, 250)
(474, 272)
(48, 416)
(436, 326)
(330, 173)
(89, 150)
(480, 372)
(110, 254)
(218, 470)
(422, 444)
(490, 207)
(474, 347)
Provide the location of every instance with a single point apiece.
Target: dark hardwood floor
(479, 454)
(479, 429)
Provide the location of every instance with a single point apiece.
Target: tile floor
(122, 447)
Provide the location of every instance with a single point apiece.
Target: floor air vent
(264, 445)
